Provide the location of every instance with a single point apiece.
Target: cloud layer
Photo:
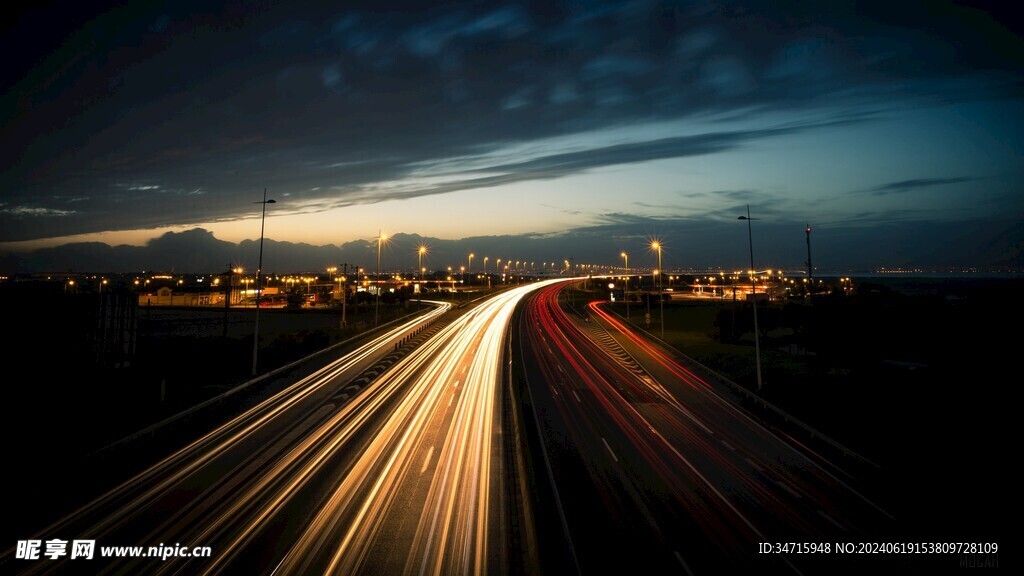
(139, 116)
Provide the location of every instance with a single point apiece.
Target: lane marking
(616, 458)
(683, 562)
(426, 461)
(786, 487)
(577, 397)
(727, 445)
(832, 520)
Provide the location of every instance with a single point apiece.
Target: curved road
(401, 476)
(656, 472)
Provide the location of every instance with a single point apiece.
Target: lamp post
(626, 258)
(422, 250)
(376, 306)
(656, 245)
(259, 269)
(470, 267)
(810, 268)
(753, 288)
(485, 273)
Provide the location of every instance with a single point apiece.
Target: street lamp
(656, 245)
(422, 250)
(626, 257)
(470, 267)
(485, 273)
(376, 306)
(259, 269)
(753, 287)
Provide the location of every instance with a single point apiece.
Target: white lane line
(452, 399)
(832, 520)
(616, 458)
(786, 487)
(577, 397)
(727, 445)
(456, 385)
(426, 461)
(683, 562)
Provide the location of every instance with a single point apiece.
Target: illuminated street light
(656, 245)
(422, 250)
(376, 306)
(753, 287)
(259, 269)
(626, 258)
(470, 267)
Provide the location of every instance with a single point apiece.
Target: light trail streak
(117, 508)
(451, 513)
(687, 461)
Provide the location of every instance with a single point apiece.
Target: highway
(399, 474)
(658, 473)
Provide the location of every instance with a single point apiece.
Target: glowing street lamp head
(655, 245)
(423, 249)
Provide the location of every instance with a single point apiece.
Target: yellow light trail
(119, 506)
(452, 513)
(410, 464)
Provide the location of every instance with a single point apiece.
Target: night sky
(539, 120)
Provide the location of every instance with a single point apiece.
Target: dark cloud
(916, 184)
(170, 114)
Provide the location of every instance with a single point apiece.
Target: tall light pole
(753, 289)
(656, 245)
(259, 268)
(422, 250)
(470, 267)
(376, 306)
(626, 257)
(810, 268)
(485, 273)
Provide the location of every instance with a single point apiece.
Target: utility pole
(227, 297)
(344, 293)
(810, 268)
(259, 292)
(753, 290)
